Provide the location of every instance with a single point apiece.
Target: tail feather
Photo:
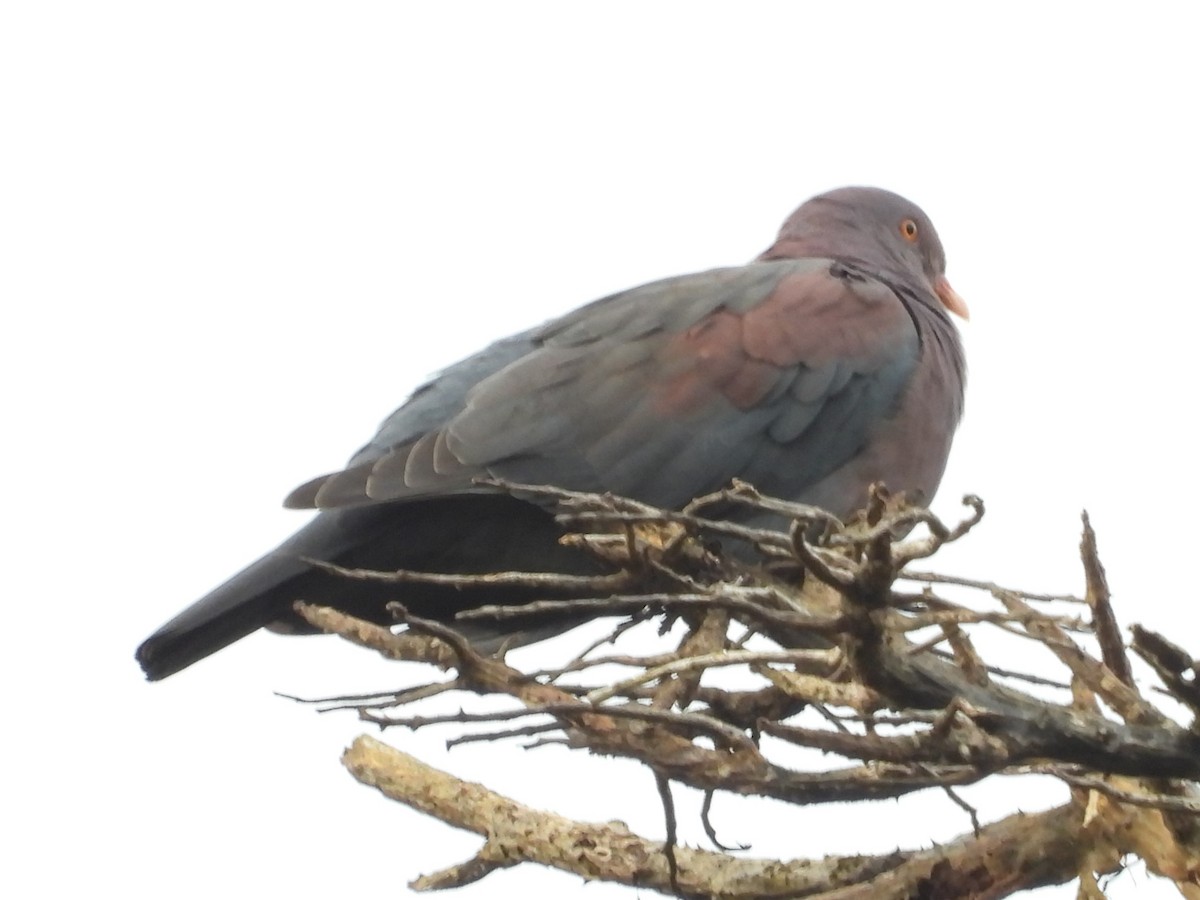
(254, 598)
(464, 534)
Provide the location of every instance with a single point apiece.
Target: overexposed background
(233, 236)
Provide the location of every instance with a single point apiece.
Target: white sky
(233, 238)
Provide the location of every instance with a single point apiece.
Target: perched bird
(828, 363)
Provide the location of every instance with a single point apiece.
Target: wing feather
(775, 372)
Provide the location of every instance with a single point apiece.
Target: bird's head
(872, 228)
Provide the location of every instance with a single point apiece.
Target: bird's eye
(908, 229)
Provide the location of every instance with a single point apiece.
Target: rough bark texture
(911, 704)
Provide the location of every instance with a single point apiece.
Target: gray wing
(776, 372)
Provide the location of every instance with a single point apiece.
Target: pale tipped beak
(950, 298)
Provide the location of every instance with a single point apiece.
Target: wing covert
(775, 372)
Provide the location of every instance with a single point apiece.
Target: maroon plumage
(827, 364)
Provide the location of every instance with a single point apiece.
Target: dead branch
(832, 633)
(976, 867)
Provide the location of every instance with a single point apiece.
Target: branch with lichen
(818, 615)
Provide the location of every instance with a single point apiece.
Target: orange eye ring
(908, 230)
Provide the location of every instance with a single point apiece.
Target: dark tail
(245, 603)
(259, 595)
(466, 534)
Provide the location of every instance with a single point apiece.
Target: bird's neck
(942, 345)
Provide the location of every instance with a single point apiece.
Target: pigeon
(827, 364)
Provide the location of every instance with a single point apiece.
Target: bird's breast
(908, 451)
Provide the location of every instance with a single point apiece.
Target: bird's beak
(950, 298)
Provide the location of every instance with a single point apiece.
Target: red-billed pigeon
(827, 364)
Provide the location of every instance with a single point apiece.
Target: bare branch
(1099, 599)
(814, 621)
(515, 833)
